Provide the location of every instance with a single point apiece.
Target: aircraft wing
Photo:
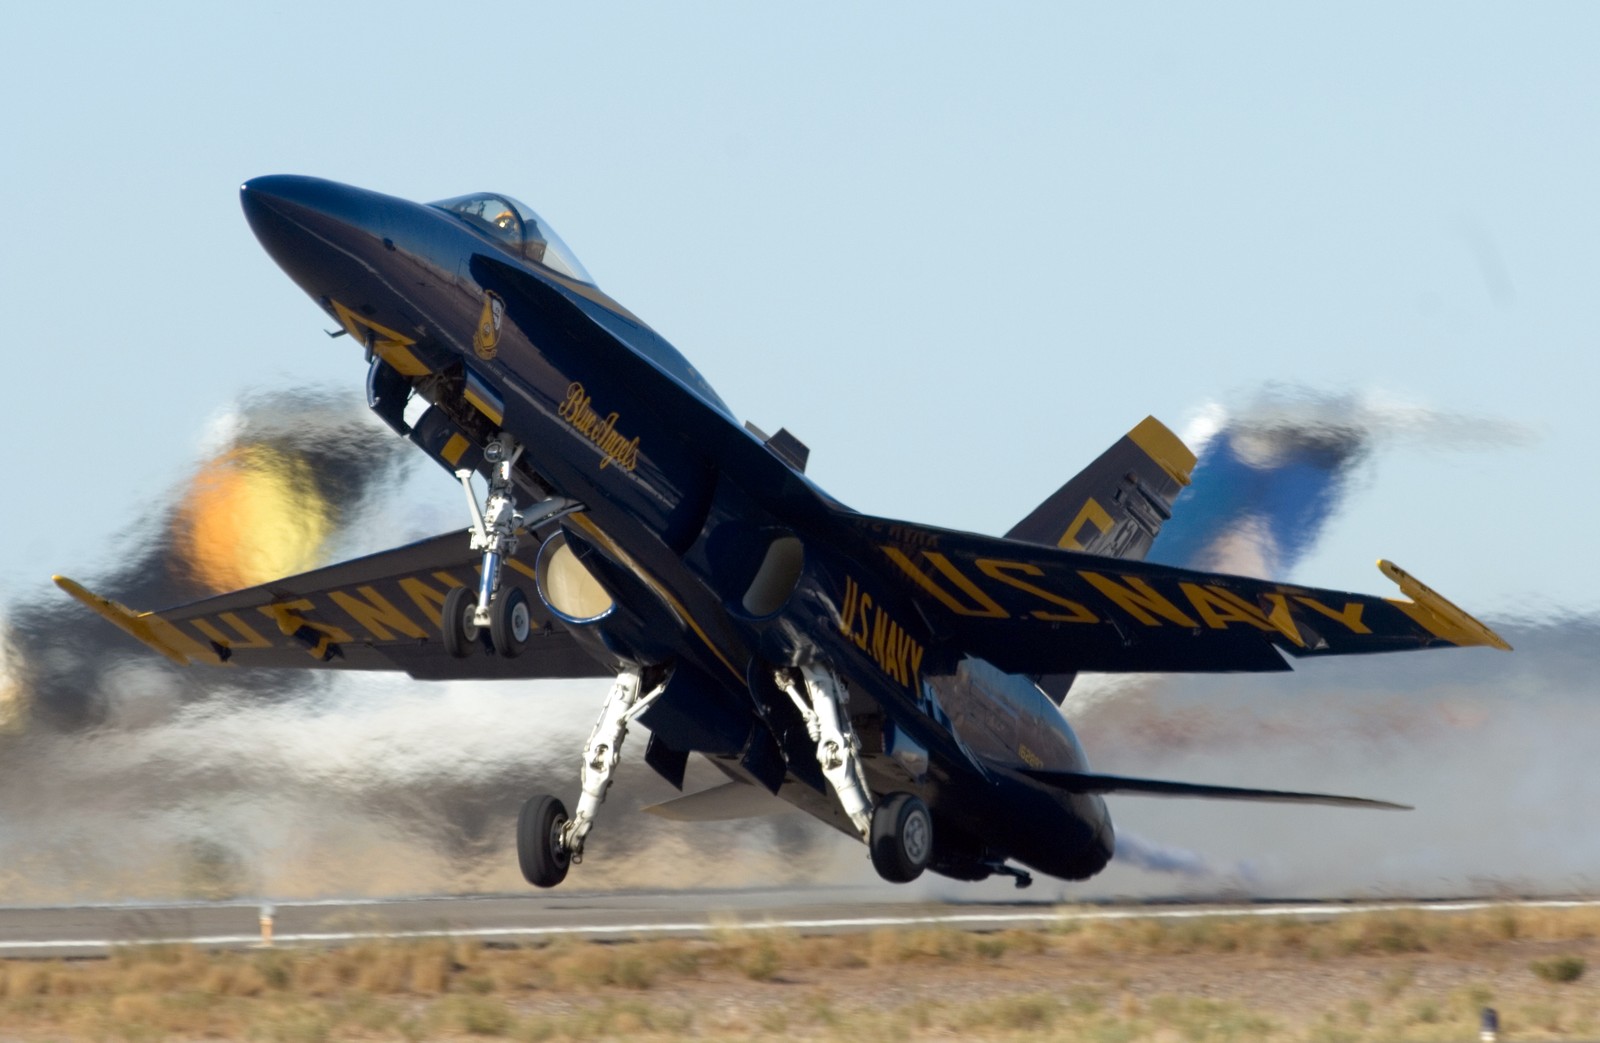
(379, 612)
(1030, 609)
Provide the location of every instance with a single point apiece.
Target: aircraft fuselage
(723, 561)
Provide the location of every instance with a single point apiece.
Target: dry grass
(1376, 933)
(1392, 976)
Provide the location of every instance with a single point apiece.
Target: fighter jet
(898, 681)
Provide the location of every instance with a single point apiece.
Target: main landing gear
(899, 830)
(548, 841)
(503, 612)
(902, 838)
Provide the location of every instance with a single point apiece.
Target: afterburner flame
(252, 514)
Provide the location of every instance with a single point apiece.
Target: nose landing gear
(503, 612)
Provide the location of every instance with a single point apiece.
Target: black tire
(543, 860)
(902, 838)
(459, 633)
(510, 622)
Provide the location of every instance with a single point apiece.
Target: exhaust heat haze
(129, 778)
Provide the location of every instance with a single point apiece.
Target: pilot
(533, 244)
(508, 223)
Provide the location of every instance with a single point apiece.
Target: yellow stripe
(1092, 512)
(1165, 448)
(146, 626)
(483, 405)
(1441, 618)
(400, 357)
(454, 449)
(394, 348)
(655, 585)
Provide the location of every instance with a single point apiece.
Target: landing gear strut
(504, 613)
(548, 841)
(1021, 876)
(899, 830)
(822, 707)
(494, 531)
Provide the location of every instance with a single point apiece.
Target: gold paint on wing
(1002, 571)
(1349, 616)
(982, 605)
(376, 614)
(1139, 599)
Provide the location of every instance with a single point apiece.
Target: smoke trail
(285, 475)
(381, 786)
(125, 777)
(1448, 730)
(1137, 852)
(128, 777)
(1273, 471)
(1493, 750)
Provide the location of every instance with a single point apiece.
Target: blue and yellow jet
(898, 681)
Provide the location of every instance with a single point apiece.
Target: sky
(956, 249)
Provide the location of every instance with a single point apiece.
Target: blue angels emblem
(486, 336)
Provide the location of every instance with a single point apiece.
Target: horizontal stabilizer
(1087, 782)
(731, 800)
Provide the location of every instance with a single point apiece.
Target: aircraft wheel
(510, 622)
(543, 860)
(902, 838)
(456, 627)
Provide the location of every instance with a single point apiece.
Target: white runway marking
(816, 925)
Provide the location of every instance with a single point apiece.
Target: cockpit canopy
(520, 229)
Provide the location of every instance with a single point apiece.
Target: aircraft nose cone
(316, 230)
(260, 192)
(280, 195)
(283, 210)
(277, 202)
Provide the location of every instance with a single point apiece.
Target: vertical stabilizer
(1116, 505)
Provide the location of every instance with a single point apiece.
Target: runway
(91, 931)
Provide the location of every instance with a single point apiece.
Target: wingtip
(78, 592)
(146, 627)
(1434, 611)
